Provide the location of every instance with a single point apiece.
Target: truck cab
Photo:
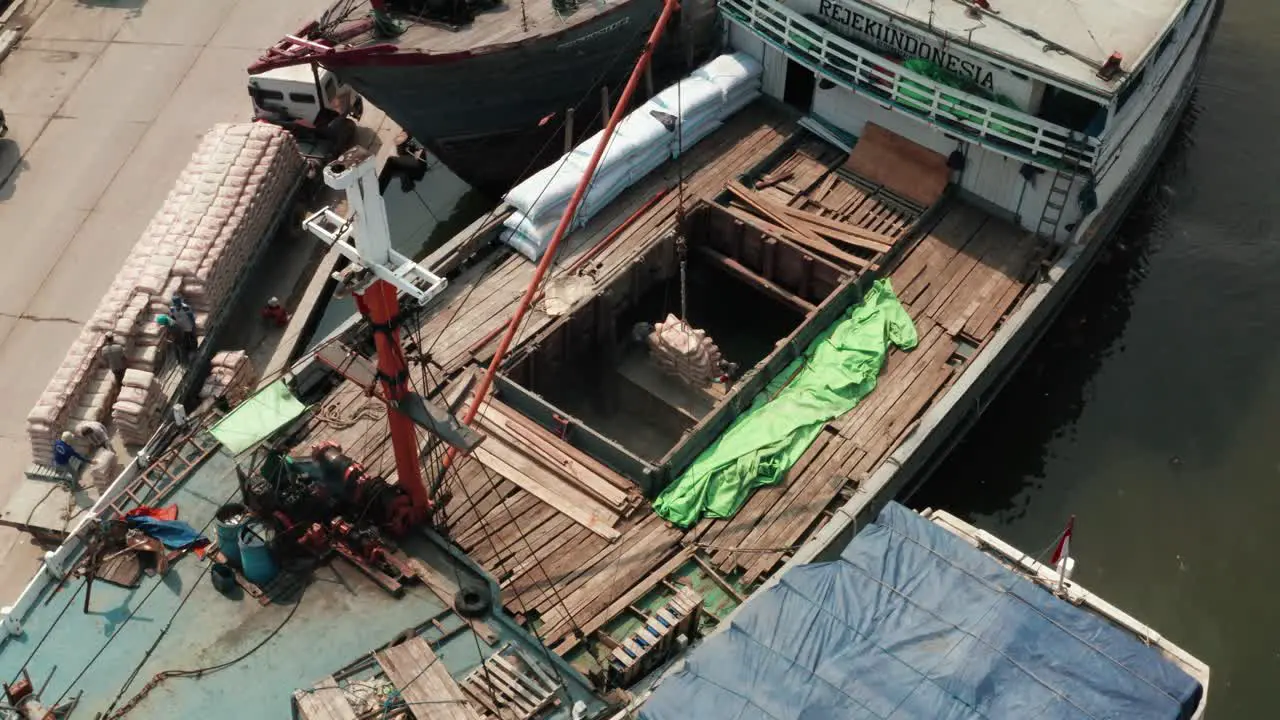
(308, 100)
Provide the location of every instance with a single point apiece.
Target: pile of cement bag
(196, 245)
(668, 124)
(140, 408)
(231, 376)
(685, 352)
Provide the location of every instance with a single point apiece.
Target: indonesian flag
(1064, 543)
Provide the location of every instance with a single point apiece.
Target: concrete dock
(105, 105)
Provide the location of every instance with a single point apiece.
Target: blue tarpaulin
(913, 623)
(175, 534)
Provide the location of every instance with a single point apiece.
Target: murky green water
(1152, 409)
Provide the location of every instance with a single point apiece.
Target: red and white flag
(1064, 543)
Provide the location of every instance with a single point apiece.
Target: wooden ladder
(158, 480)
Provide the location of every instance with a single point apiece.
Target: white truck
(310, 102)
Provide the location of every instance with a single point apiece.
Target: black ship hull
(496, 117)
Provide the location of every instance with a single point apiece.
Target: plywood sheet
(426, 686)
(907, 168)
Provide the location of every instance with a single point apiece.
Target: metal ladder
(1064, 178)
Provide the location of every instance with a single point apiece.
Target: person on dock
(94, 433)
(178, 307)
(64, 453)
(112, 354)
(181, 333)
(275, 313)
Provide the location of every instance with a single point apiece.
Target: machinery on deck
(330, 502)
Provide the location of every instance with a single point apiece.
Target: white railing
(1005, 130)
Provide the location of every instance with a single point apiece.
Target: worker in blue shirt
(63, 452)
(178, 307)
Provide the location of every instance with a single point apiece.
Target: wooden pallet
(508, 686)
(424, 683)
(652, 644)
(324, 701)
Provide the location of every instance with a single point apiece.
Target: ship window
(1072, 111)
(302, 98)
(1126, 92)
(270, 95)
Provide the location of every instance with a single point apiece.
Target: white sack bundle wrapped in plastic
(668, 124)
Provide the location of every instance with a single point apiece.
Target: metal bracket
(408, 276)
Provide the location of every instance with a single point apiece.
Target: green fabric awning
(270, 409)
(840, 368)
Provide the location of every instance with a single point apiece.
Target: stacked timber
(570, 481)
(837, 239)
(231, 376)
(679, 349)
(140, 407)
(212, 221)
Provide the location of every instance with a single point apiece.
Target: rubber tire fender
(472, 601)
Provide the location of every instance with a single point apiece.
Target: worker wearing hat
(275, 313)
(182, 331)
(64, 452)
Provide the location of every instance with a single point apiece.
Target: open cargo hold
(913, 622)
(218, 213)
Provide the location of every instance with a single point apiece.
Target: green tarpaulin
(267, 411)
(837, 370)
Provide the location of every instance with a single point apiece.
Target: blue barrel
(256, 562)
(228, 521)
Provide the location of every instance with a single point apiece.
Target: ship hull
(497, 116)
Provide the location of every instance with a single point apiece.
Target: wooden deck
(958, 278)
(471, 312)
(957, 282)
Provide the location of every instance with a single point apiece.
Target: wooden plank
(798, 505)
(868, 239)
(630, 597)
(1015, 272)
(981, 327)
(801, 243)
(325, 701)
(765, 209)
(902, 366)
(724, 547)
(787, 527)
(511, 464)
(591, 474)
(424, 683)
(625, 564)
(909, 169)
(735, 268)
(909, 409)
(951, 281)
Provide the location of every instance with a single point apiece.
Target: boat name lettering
(892, 37)
(595, 33)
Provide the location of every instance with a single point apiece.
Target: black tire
(473, 601)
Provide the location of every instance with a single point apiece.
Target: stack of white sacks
(685, 352)
(196, 245)
(231, 376)
(669, 123)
